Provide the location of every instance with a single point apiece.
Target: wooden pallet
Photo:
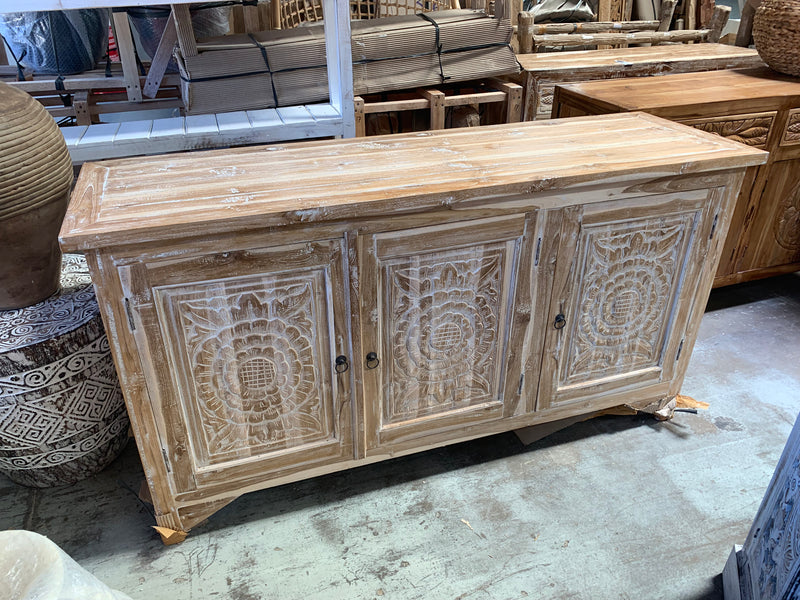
(457, 105)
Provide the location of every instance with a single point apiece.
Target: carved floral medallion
(624, 303)
(445, 325)
(254, 365)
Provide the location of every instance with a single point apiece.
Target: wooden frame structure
(504, 95)
(532, 37)
(109, 140)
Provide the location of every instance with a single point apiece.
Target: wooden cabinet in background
(541, 72)
(281, 312)
(759, 108)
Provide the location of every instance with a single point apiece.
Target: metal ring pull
(372, 360)
(341, 364)
(560, 321)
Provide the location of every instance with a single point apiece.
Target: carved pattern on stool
(61, 411)
(623, 305)
(791, 136)
(786, 227)
(444, 332)
(252, 353)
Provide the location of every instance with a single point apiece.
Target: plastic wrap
(34, 568)
(560, 11)
(57, 42)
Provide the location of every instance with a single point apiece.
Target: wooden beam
(745, 33)
(690, 14)
(667, 12)
(358, 110)
(127, 55)
(597, 26)
(717, 22)
(616, 39)
(185, 31)
(706, 13)
(525, 33)
(436, 98)
(158, 66)
(251, 18)
(275, 5)
(339, 62)
(80, 102)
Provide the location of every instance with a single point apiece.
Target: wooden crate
(484, 102)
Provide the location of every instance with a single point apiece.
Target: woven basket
(776, 33)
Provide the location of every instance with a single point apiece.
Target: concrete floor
(618, 507)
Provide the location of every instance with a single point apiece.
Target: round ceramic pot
(35, 179)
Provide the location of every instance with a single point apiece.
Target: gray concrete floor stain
(615, 507)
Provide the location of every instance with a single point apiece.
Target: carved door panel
(620, 307)
(774, 237)
(436, 322)
(769, 563)
(239, 350)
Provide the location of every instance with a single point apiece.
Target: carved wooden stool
(62, 416)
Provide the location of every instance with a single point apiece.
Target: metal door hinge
(680, 349)
(129, 312)
(538, 251)
(166, 460)
(713, 227)
(519, 389)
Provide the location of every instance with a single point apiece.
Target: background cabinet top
(164, 197)
(635, 59)
(739, 90)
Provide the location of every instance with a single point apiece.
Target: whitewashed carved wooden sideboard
(286, 311)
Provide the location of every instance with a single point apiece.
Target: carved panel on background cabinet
(625, 295)
(786, 228)
(752, 129)
(250, 349)
(545, 95)
(445, 317)
(791, 136)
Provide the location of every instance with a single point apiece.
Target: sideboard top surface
(164, 197)
(662, 94)
(631, 58)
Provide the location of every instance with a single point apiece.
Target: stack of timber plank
(287, 67)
